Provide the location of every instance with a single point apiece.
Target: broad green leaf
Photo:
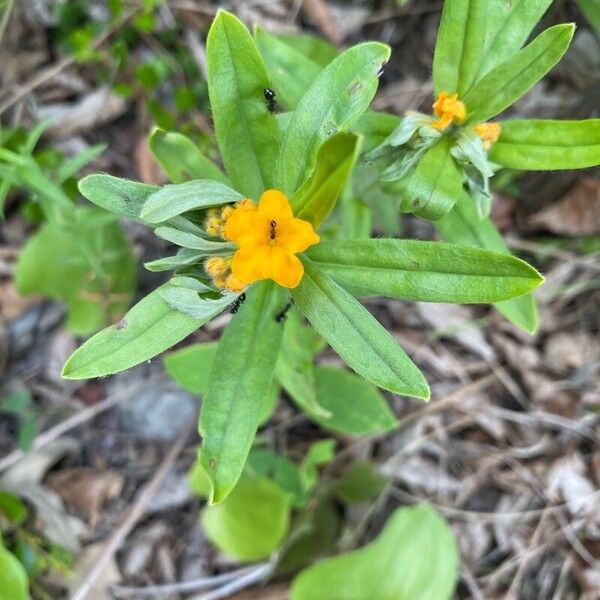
(431, 190)
(464, 226)
(121, 197)
(175, 199)
(279, 469)
(190, 367)
(360, 483)
(311, 46)
(335, 161)
(424, 271)
(375, 127)
(459, 45)
(415, 556)
(247, 132)
(89, 265)
(14, 584)
(336, 99)
(548, 145)
(149, 328)
(181, 159)
(356, 335)
(251, 522)
(291, 72)
(591, 11)
(241, 376)
(508, 25)
(507, 82)
(193, 304)
(294, 368)
(355, 406)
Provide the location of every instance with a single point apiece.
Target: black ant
(283, 314)
(238, 302)
(270, 99)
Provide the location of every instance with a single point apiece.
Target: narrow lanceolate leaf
(181, 159)
(508, 25)
(459, 45)
(119, 196)
(240, 378)
(506, 83)
(185, 239)
(150, 327)
(335, 100)
(424, 271)
(191, 303)
(356, 335)
(431, 190)
(543, 145)
(173, 200)
(291, 72)
(464, 226)
(335, 161)
(247, 132)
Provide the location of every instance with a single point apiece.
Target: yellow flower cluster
(267, 236)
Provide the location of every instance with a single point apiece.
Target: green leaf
(191, 303)
(335, 161)
(360, 483)
(508, 26)
(252, 521)
(424, 271)
(375, 127)
(12, 507)
(591, 11)
(294, 368)
(355, 406)
(150, 327)
(178, 198)
(72, 166)
(320, 453)
(89, 265)
(312, 46)
(290, 70)
(431, 190)
(337, 98)
(14, 584)
(121, 197)
(241, 375)
(279, 469)
(247, 132)
(356, 335)
(464, 226)
(548, 145)
(181, 159)
(415, 556)
(192, 241)
(507, 82)
(459, 45)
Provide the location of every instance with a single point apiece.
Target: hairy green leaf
(335, 161)
(507, 82)
(336, 99)
(548, 145)
(464, 226)
(181, 159)
(424, 271)
(459, 45)
(247, 132)
(241, 376)
(356, 335)
(415, 556)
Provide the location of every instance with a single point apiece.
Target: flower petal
(296, 235)
(275, 205)
(285, 269)
(251, 263)
(245, 226)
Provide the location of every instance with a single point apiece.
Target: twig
(204, 583)
(73, 421)
(135, 513)
(256, 575)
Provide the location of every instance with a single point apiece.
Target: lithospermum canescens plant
(250, 231)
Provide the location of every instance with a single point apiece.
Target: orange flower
(449, 109)
(268, 237)
(488, 132)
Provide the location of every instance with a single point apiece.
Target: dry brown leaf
(85, 489)
(578, 213)
(147, 166)
(11, 304)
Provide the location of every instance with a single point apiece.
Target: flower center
(273, 233)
